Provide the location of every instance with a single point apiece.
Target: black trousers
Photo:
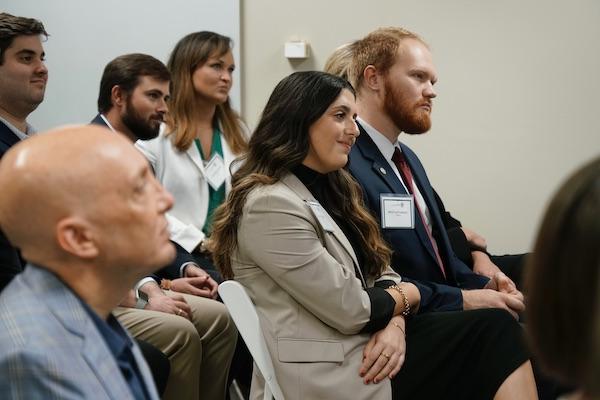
(159, 365)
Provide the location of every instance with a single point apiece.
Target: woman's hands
(384, 354)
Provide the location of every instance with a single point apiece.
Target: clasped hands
(196, 282)
(499, 292)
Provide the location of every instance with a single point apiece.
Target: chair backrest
(244, 315)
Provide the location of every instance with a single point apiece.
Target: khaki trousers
(200, 351)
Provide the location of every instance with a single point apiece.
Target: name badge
(215, 172)
(324, 219)
(397, 211)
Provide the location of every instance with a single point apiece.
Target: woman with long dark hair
(295, 233)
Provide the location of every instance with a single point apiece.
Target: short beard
(405, 115)
(136, 124)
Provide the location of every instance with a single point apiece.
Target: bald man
(89, 233)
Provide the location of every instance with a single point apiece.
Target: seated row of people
(344, 248)
(181, 317)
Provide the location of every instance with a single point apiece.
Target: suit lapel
(420, 179)
(298, 187)
(425, 189)
(144, 369)
(69, 311)
(427, 193)
(99, 121)
(96, 353)
(382, 169)
(379, 164)
(228, 158)
(193, 153)
(7, 136)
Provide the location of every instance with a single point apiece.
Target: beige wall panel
(518, 95)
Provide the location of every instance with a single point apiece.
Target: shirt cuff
(141, 283)
(386, 283)
(182, 268)
(382, 309)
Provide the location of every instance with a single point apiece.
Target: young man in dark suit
(23, 77)
(184, 320)
(394, 75)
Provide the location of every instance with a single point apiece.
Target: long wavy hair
(280, 143)
(191, 52)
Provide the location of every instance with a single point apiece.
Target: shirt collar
(21, 135)
(107, 123)
(111, 331)
(383, 144)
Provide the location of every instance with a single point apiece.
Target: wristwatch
(141, 297)
(142, 300)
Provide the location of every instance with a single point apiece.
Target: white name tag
(324, 219)
(397, 211)
(215, 172)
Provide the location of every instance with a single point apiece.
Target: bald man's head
(83, 194)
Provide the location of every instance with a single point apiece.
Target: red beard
(409, 117)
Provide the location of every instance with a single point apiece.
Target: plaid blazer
(50, 347)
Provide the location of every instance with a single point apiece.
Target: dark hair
(12, 26)
(191, 52)
(563, 282)
(280, 143)
(125, 71)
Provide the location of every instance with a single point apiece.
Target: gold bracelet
(406, 311)
(397, 325)
(165, 284)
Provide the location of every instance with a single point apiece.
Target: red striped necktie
(400, 161)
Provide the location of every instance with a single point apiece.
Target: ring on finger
(179, 311)
(385, 355)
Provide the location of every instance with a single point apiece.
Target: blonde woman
(202, 136)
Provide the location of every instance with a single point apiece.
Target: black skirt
(459, 355)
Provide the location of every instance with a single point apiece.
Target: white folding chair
(244, 315)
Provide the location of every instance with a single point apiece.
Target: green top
(215, 197)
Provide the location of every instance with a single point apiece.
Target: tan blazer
(309, 300)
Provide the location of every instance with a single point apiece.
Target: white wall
(517, 107)
(86, 34)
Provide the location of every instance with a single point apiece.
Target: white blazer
(182, 174)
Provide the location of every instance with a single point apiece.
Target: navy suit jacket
(171, 271)
(10, 259)
(413, 254)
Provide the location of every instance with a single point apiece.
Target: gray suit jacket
(50, 347)
(310, 302)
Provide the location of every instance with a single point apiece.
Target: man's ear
(76, 237)
(372, 78)
(118, 97)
